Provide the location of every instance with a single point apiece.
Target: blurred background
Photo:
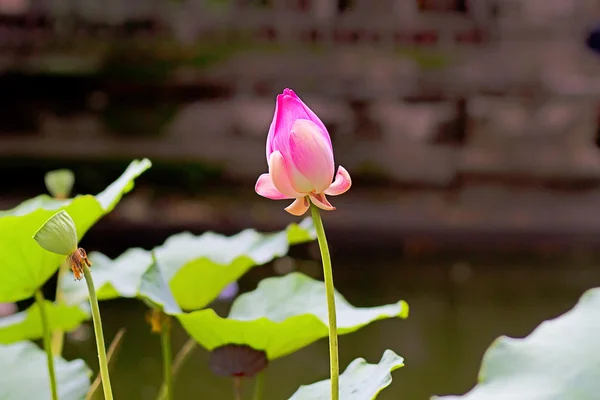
(470, 128)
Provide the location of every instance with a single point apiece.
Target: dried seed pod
(77, 260)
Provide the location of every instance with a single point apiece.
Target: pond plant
(301, 167)
(180, 280)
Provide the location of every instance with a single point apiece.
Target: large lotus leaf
(27, 325)
(121, 277)
(196, 268)
(24, 374)
(360, 381)
(132, 274)
(24, 265)
(559, 360)
(155, 291)
(282, 315)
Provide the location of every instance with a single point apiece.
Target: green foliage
(187, 272)
(283, 315)
(24, 265)
(120, 277)
(155, 291)
(360, 381)
(23, 374)
(27, 325)
(196, 268)
(558, 361)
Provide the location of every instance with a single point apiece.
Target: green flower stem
(58, 335)
(165, 339)
(329, 290)
(258, 386)
(39, 298)
(99, 335)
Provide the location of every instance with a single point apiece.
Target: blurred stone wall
(516, 93)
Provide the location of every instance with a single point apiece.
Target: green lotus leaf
(155, 291)
(360, 381)
(24, 265)
(559, 360)
(121, 277)
(24, 374)
(282, 315)
(134, 274)
(196, 268)
(27, 325)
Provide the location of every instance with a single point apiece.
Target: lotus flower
(300, 158)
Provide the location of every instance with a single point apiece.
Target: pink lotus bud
(300, 158)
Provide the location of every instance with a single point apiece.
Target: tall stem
(329, 290)
(258, 386)
(165, 339)
(39, 298)
(99, 335)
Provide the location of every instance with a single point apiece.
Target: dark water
(458, 306)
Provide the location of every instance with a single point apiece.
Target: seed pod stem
(98, 332)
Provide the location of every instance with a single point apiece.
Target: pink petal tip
(341, 184)
(321, 201)
(298, 207)
(265, 187)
